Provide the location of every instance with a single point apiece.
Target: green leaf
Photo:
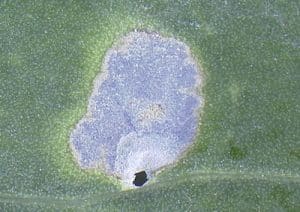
(246, 155)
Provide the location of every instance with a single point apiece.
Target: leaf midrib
(217, 175)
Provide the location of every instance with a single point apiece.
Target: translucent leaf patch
(143, 111)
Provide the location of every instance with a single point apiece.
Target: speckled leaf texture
(247, 153)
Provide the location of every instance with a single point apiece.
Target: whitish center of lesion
(155, 112)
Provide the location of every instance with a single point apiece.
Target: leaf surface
(247, 152)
